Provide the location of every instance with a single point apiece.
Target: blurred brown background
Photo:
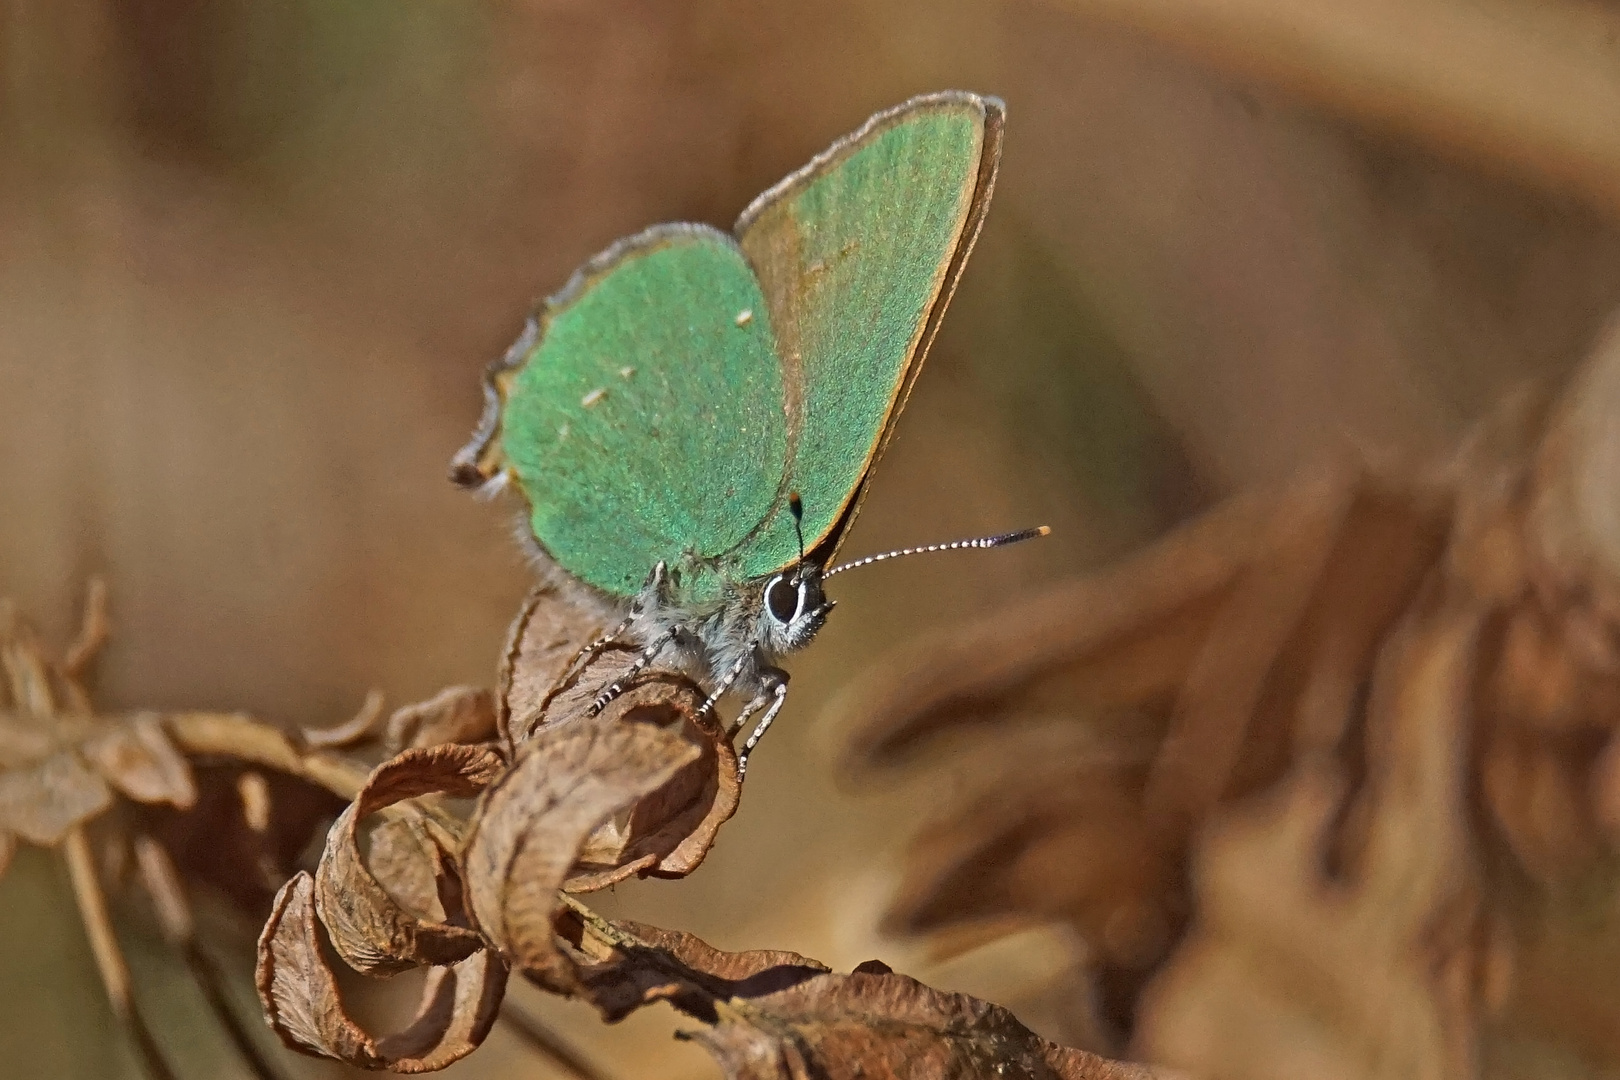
(253, 257)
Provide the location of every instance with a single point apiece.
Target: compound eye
(782, 598)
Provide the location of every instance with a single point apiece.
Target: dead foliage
(569, 802)
(1326, 779)
(772, 1015)
(124, 797)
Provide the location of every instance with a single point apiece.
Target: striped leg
(725, 684)
(655, 591)
(591, 651)
(778, 697)
(648, 655)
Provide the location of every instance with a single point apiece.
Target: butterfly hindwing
(858, 254)
(646, 423)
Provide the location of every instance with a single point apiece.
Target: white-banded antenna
(1000, 540)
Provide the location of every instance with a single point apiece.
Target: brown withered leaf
(63, 764)
(586, 801)
(1285, 974)
(60, 763)
(139, 760)
(554, 623)
(781, 1016)
(391, 909)
(671, 829)
(531, 825)
(299, 993)
(1185, 677)
(1227, 707)
(589, 799)
(376, 931)
(42, 802)
(545, 683)
(456, 714)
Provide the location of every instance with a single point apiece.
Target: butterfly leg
(775, 692)
(654, 592)
(724, 684)
(592, 650)
(619, 685)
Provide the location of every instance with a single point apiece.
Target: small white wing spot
(593, 397)
(626, 371)
(562, 431)
(745, 316)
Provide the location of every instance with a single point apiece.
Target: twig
(548, 1044)
(206, 974)
(163, 884)
(243, 739)
(110, 963)
(93, 632)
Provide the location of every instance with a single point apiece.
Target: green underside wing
(642, 381)
(685, 382)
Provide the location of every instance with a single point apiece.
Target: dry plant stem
(1530, 88)
(241, 738)
(211, 982)
(541, 1039)
(163, 883)
(93, 632)
(110, 963)
(364, 724)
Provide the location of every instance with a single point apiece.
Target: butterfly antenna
(796, 508)
(1000, 540)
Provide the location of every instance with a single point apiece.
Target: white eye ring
(775, 601)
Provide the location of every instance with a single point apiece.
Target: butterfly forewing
(857, 255)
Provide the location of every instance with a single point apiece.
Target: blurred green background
(254, 256)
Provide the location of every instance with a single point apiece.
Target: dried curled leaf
(545, 683)
(671, 829)
(300, 997)
(392, 909)
(780, 1016)
(138, 759)
(531, 825)
(375, 932)
(456, 714)
(543, 642)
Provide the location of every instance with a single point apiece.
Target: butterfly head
(794, 605)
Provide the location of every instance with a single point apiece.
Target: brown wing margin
(995, 118)
(993, 113)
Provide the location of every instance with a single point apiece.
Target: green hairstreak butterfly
(693, 419)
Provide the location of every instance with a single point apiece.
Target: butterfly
(693, 420)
